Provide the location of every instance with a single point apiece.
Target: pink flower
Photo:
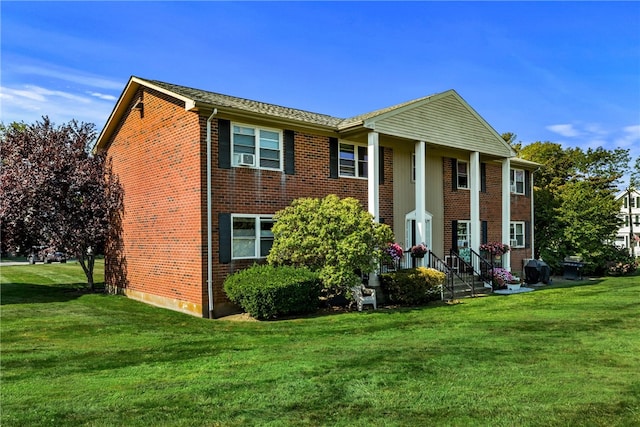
(495, 248)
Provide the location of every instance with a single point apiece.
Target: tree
(575, 210)
(54, 191)
(333, 236)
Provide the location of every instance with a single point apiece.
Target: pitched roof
(220, 100)
(195, 99)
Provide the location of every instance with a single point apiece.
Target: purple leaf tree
(54, 191)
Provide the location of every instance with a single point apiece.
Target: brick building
(203, 174)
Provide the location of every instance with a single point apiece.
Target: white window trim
(357, 159)
(513, 183)
(513, 235)
(468, 187)
(256, 153)
(468, 235)
(258, 219)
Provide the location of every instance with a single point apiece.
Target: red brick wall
(521, 211)
(491, 202)
(158, 160)
(456, 203)
(159, 255)
(457, 207)
(255, 191)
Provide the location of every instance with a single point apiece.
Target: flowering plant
(418, 250)
(395, 251)
(495, 248)
(501, 276)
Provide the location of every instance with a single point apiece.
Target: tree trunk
(87, 262)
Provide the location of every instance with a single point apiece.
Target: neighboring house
(630, 215)
(204, 173)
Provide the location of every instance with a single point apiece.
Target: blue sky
(567, 72)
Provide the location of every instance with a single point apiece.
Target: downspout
(209, 219)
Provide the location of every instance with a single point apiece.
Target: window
(256, 147)
(517, 181)
(632, 200)
(464, 234)
(352, 160)
(463, 174)
(517, 235)
(251, 236)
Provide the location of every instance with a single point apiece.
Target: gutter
(209, 219)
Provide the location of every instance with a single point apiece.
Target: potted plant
(495, 248)
(502, 278)
(395, 252)
(418, 251)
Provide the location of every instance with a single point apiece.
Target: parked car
(37, 254)
(45, 254)
(60, 257)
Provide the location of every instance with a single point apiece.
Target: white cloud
(28, 103)
(631, 135)
(103, 96)
(566, 130)
(69, 75)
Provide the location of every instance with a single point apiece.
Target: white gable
(444, 119)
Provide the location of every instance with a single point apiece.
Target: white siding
(445, 121)
(404, 196)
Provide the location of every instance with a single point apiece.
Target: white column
(506, 210)
(421, 204)
(373, 175)
(474, 188)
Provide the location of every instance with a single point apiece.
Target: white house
(630, 215)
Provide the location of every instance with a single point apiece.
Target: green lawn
(565, 355)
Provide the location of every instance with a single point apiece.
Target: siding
(404, 192)
(444, 121)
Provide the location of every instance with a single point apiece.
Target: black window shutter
(527, 183)
(483, 177)
(333, 157)
(224, 225)
(485, 232)
(380, 165)
(527, 234)
(454, 235)
(224, 144)
(289, 153)
(454, 174)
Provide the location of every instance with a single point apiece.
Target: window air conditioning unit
(514, 243)
(245, 159)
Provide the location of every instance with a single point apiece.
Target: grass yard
(567, 355)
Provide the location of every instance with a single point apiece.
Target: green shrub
(335, 237)
(412, 287)
(266, 292)
(609, 260)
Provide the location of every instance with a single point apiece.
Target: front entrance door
(411, 232)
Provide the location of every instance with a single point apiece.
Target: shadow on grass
(31, 293)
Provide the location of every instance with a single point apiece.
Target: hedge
(267, 292)
(412, 286)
